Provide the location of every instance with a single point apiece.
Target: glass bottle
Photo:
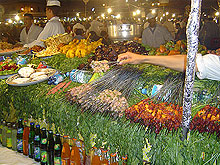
(113, 160)
(37, 138)
(43, 147)
(1, 125)
(75, 155)
(50, 148)
(95, 157)
(104, 157)
(9, 140)
(25, 138)
(4, 132)
(124, 160)
(65, 155)
(20, 131)
(31, 141)
(82, 151)
(14, 137)
(57, 150)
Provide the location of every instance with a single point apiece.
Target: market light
(217, 13)
(32, 8)
(167, 13)
(126, 1)
(77, 14)
(103, 4)
(153, 11)
(109, 10)
(90, 17)
(134, 13)
(93, 9)
(118, 16)
(103, 15)
(22, 9)
(138, 11)
(152, 4)
(158, 4)
(173, 15)
(164, 15)
(9, 21)
(17, 18)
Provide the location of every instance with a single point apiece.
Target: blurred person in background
(31, 31)
(6, 37)
(181, 33)
(79, 34)
(209, 31)
(170, 27)
(53, 26)
(78, 25)
(96, 26)
(105, 38)
(93, 36)
(155, 35)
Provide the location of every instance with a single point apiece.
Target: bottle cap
(113, 154)
(32, 123)
(65, 136)
(124, 157)
(38, 126)
(50, 132)
(104, 151)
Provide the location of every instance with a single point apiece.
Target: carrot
(67, 85)
(53, 90)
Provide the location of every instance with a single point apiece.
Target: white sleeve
(208, 66)
(22, 38)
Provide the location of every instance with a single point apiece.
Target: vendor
(207, 66)
(31, 31)
(53, 26)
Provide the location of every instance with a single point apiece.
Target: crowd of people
(154, 34)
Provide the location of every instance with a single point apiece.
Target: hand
(130, 58)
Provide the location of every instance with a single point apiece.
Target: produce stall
(118, 111)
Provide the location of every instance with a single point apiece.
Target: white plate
(6, 76)
(11, 52)
(10, 79)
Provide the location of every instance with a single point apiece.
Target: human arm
(176, 62)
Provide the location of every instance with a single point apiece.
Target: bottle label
(44, 141)
(30, 149)
(81, 155)
(57, 147)
(20, 131)
(9, 142)
(57, 160)
(80, 76)
(43, 156)
(37, 152)
(37, 138)
(19, 144)
(65, 161)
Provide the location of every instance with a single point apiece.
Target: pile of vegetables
(155, 116)
(207, 120)
(8, 67)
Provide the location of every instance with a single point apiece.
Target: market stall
(114, 109)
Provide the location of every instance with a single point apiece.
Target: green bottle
(4, 134)
(20, 131)
(1, 125)
(9, 136)
(14, 137)
(31, 141)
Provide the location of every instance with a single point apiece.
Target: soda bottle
(57, 150)
(95, 157)
(65, 155)
(75, 155)
(14, 137)
(4, 132)
(1, 125)
(8, 136)
(56, 79)
(20, 136)
(124, 160)
(37, 144)
(82, 151)
(50, 148)
(113, 160)
(31, 141)
(43, 147)
(25, 138)
(104, 157)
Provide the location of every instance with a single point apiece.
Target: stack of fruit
(78, 48)
(207, 120)
(156, 116)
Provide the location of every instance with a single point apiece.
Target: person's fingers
(126, 61)
(122, 57)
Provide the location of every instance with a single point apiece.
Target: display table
(10, 157)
